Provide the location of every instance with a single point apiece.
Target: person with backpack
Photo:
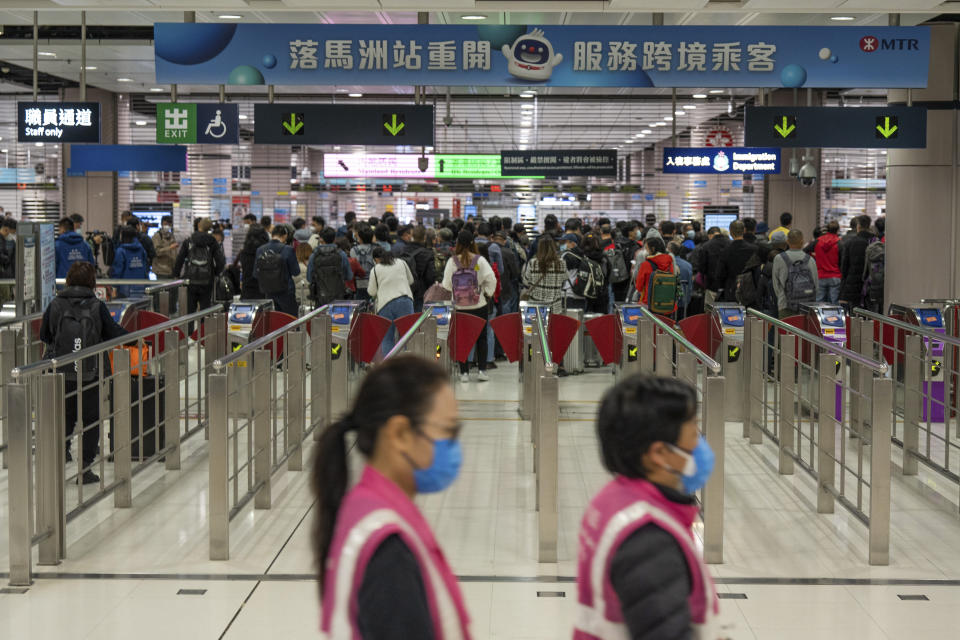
(794, 276)
(70, 247)
(166, 245)
(329, 270)
(685, 272)
(619, 280)
(129, 262)
(733, 259)
(390, 287)
(544, 276)
(873, 273)
(73, 321)
(585, 277)
(255, 238)
(275, 268)
(510, 278)
(590, 246)
(362, 252)
(658, 281)
(420, 260)
(853, 262)
(826, 252)
(200, 261)
(472, 282)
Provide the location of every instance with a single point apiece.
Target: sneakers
(482, 376)
(88, 477)
(464, 377)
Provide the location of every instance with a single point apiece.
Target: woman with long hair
(472, 281)
(390, 287)
(382, 573)
(256, 237)
(544, 275)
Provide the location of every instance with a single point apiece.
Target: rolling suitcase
(153, 417)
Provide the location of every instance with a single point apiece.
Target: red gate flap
(560, 333)
(702, 332)
(271, 321)
(464, 331)
(603, 330)
(509, 334)
(800, 322)
(366, 335)
(403, 324)
(146, 319)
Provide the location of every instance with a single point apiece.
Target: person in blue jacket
(270, 273)
(71, 247)
(130, 261)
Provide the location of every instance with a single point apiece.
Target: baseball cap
(570, 237)
(778, 236)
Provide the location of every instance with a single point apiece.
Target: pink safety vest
(373, 510)
(622, 507)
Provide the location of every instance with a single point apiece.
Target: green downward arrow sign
(786, 128)
(393, 126)
(887, 129)
(293, 126)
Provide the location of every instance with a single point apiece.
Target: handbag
(138, 360)
(436, 293)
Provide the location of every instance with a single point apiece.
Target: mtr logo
(873, 43)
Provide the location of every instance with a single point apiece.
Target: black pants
(198, 298)
(480, 349)
(91, 412)
(286, 303)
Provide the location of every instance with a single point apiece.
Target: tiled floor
(788, 572)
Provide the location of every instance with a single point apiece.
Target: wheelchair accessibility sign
(204, 123)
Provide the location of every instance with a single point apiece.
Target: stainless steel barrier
(264, 402)
(144, 404)
(925, 375)
(801, 391)
(544, 427)
(175, 290)
(420, 339)
(667, 352)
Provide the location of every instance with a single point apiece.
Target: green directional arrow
(294, 125)
(787, 127)
(888, 127)
(393, 126)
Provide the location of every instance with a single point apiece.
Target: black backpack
(411, 260)
(619, 271)
(748, 284)
(587, 282)
(326, 279)
(272, 272)
(199, 269)
(78, 328)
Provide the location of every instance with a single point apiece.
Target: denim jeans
(396, 308)
(828, 290)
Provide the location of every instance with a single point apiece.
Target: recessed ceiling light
(242, 116)
(49, 54)
(141, 123)
(336, 148)
(700, 96)
(525, 124)
(124, 80)
(38, 144)
(689, 106)
(668, 119)
(230, 16)
(528, 94)
(526, 106)
(156, 89)
(645, 131)
(680, 112)
(355, 95)
(475, 16)
(89, 68)
(716, 91)
(842, 18)
(4, 150)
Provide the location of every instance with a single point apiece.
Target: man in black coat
(852, 259)
(200, 293)
(732, 261)
(706, 260)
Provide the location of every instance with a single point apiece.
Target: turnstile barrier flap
(509, 332)
(607, 337)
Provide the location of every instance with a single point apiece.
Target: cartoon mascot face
(531, 56)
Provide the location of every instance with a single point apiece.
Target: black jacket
(247, 258)
(51, 319)
(706, 260)
(650, 576)
(510, 278)
(392, 603)
(852, 259)
(600, 304)
(425, 273)
(732, 261)
(200, 240)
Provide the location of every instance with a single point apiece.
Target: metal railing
(664, 351)
(19, 344)
(540, 380)
(265, 399)
(173, 303)
(925, 374)
(828, 409)
(144, 389)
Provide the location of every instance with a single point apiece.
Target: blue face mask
(699, 466)
(447, 458)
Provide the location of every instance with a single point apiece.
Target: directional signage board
(382, 124)
(559, 162)
(894, 127)
(721, 160)
(58, 122)
(189, 123)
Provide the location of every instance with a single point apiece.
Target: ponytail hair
(404, 386)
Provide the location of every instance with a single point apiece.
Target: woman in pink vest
(382, 574)
(640, 574)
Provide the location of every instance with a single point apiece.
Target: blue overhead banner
(572, 56)
(721, 160)
(127, 157)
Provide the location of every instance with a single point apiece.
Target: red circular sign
(869, 43)
(718, 138)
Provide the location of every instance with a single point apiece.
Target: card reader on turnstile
(442, 313)
(829, 321)
(931, 318)
(528, 367)
(121, 308)
(728, 321)
(241, 319)
(528, 316)
(343, 313)
(630, 316)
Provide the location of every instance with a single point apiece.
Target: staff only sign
(503, 55)
(58, 122)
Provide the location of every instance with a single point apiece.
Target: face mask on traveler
(447, 458)
(698, 467)
(166, 227)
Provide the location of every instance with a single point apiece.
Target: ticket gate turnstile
(930, 316)
(730, 319)
(241, 318)
(121, 308)
(531, 356)
(636, 351)
(343, 314)
(829, 321)
(442, 312)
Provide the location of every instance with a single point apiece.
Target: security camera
(423, 163)
(794, 167)
(807, 174)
